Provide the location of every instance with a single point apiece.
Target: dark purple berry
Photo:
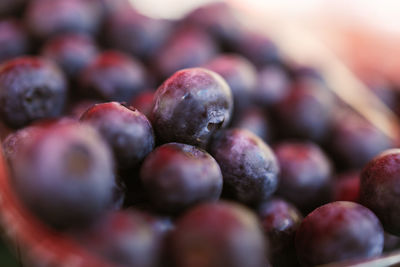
(13, 39)
(305, 175)
(248, 165)
(126, 130)
(190, 106)
(113, 76)
(188, 47)
(241, 76)
(177, 176)
(134, 33)
(273, 85)
(354, 141)
(46, 18)
(125, 238)
(280, 221)
(346, 187)
(65, 175)
(338, 231)
(218, 235)
(72, 52)
(256, 121)
(144, 102)
(31, 88)
(379, 189)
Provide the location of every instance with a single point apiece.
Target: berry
(190, 106)
(248, 165)
(13, 39)
(177, 176)
(256, 121)
(31, 88)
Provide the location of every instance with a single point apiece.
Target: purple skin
(65, 175)
(305, 175)
(354, 141)
(218, 235)
(338, 231)
(14, 40)
(125, 238)
(307, 112)
(258, 48)
(191, 106)
(280, 221)
(346, 187)
(47, 18)
(127, 131)
(178, 176)
(72, 52)
(248, 165)
(241, 76)
(380, 180)
(256, 121)
(188, 47)
(273, 85)
(144, 102)
(32, 88)
(113, 76)
(129, 31)
(218, 20)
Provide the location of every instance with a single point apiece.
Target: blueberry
(136, 34)
(257, 47)
(31, 88)
(380, 181)
(256, 121)
(190, 106)
(248, 165)
(65, 175)
(127, 131)
(305, 175)
(346, 187)
(188, 47)
(354, 141)
(218, 19)
(280, 221)
(46, 18)
(14, 40)
(125, 238)
(177, 176)
(218, 235)
(273, 85)
(241, 76)
(144, 102)
(72, 52)
(306, 112)
(113, 76)
(338, 231)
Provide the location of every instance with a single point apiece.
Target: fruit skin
(188, 47)
(248, 165)
(14, 40)
(178, 176)
(125, 238)
(280, 221)
(113, 76)
(241, 76)
(190, 106)
(72, 52)
(31, 88)
(379, 188)
(338, 231)
(65, 175)
(136, 34)
(127, 131)
(305, 176)
(47, 18)
(218, 235)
